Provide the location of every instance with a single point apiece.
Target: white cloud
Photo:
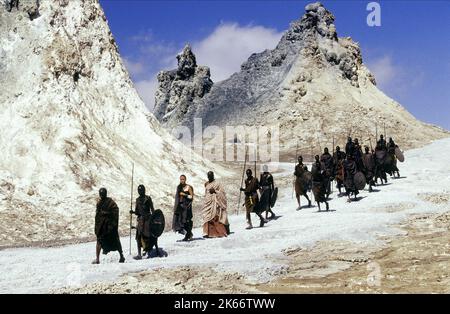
(224, 50)
(134, 68)
(384, 70)
(143, 37)
(393, 78)
(229, 45)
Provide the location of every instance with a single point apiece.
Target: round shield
(399, 155)
(157, 223)
(273, 199)
(360, 181)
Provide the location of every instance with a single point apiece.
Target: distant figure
(339, 158)
(369, 167)
(214, 211)
(107, 227)
(391, 146)
(350, 170)
(267, 187)
(10, 4)
(319, 183)
(350, 147)
(302, 182)
(358, 155)
(381, 144)
(327, 162)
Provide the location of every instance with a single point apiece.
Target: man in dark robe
(301, 184)
(267, 187)
(381, 143)
(319, 183)
(350, 147)
(107, 227)
(339, 157)
(350, 170)
(382, 163)
(357, 155)
(143, 210)
(252, 199)
(182, 216)
(391, 146)
(10, 4)
(328, 166)
(369, 167)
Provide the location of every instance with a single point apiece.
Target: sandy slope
(71, 123)
(259, 255)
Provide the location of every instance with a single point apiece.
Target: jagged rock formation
(71, 123)
(179, 88)
(315, 86)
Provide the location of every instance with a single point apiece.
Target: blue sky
(409, 53)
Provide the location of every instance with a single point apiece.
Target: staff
(242, 179)
(255, 159)
(376, 133)
(320, 146)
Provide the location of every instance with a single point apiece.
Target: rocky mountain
(314, 85)
(72, 122)
(181, 87)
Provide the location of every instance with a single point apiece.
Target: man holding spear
(143, 210)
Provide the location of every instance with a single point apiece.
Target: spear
(320, 146)
(333, 145)
(376, 132)
(242, 179)
(255, 159)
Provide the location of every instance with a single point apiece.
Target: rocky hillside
(72, 122)
(181, 87)
(314, 85)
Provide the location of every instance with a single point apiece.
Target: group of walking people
(351, 170)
